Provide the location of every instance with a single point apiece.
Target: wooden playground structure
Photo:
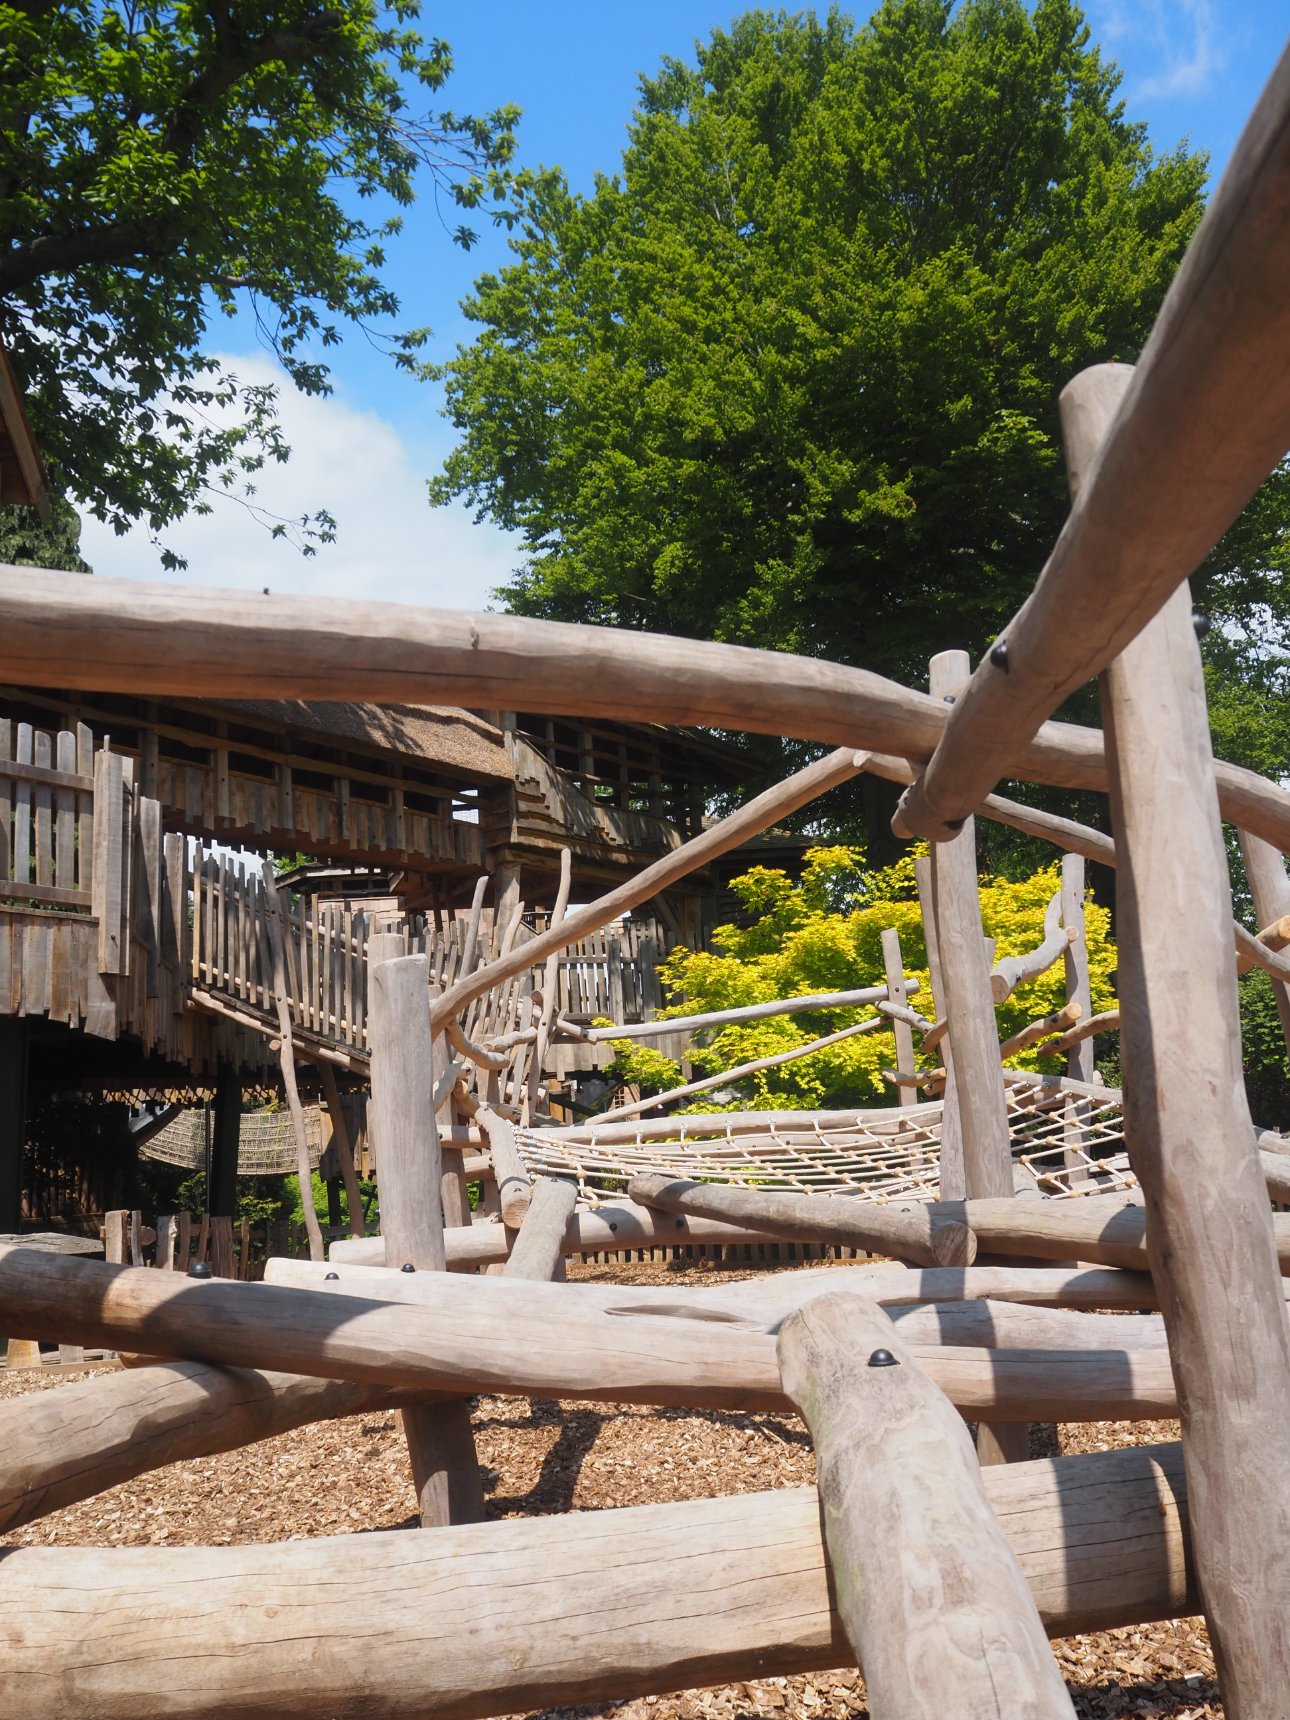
(939, 1567)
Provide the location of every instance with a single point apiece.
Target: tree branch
(132, 240)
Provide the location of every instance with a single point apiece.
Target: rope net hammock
(1067, 1143)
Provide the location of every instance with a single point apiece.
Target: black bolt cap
(407, 1266)
(1201, 623)
(327, 1275)
(883, 1359)
(999, 655)
(200, 1269)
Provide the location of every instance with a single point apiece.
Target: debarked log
(733, 1588)
(69, 1444)
(611, 1226)
(934, 1600)
(975, 1317)
(882, 1281)
(489, 1348)
(913, 1231)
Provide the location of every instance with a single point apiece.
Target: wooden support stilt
(952, 1184)
(226, 1132)
(287, 1059)
(1209, 1227)
(933, 1599)
(974, 1084)
(965, 978)
(344, 1148)
(441, 1445)
(13, 1117)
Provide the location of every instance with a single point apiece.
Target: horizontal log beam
(483, 1348)
(912, 1232)
(732, 1588)
(762, 1301)
(91, 1434)
(138, 637)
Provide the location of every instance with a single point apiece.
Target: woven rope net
(1068, 1143)
(266, 1142)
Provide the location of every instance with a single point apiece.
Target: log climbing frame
(939, 1575)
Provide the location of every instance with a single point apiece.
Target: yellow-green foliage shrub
(824, 934)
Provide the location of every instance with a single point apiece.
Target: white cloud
(1177, 39)
(390, 543)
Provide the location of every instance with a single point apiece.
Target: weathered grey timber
(136, 637)
(441, 1444)
(1209, 1230)
(730, 1585)
(489, 1348)
(538, 1251)
(934, 1601)
(66, 1445)
(913, 1231)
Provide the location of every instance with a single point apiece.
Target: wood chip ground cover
(351, 1476)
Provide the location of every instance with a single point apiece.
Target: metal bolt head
(999, 655)
(327, 1275)
(200, 1269)
(407, 1267)
(1200, 623)
(883, 1359)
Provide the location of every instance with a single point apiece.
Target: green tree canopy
(822, 933)
(790, 378)
(162, 163)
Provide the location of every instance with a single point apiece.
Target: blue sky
(1192, 68)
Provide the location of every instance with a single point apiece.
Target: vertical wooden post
(972, 1033)
(287, 1059)
(441, 1445)
(1270, 892)
(226, 1139)
(344, 1148)
(898, 992)
(506, 893)
(965, 976)
(1187, 1125)
(13, 1118)
(953, 1186)
(1080, 1061)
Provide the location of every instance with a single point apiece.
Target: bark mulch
(541, 1457)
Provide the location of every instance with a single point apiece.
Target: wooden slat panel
(109, 831)
(149, 892)
(65, 814)
(22, 810)
(85, 808)
(46, 775)
(6, 805)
